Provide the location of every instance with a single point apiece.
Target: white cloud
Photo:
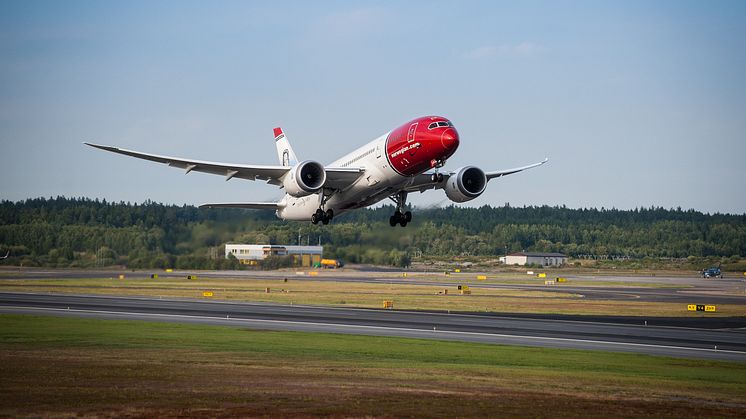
(522, 49)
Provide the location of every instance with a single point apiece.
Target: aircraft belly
(298, 209)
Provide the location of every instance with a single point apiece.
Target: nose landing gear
(399, 217)
(437, 164)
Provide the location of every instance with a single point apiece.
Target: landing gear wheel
(329, 214)
(317, 216)
(436, 177)
(400, 199)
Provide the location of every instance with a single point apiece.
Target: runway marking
(367, 310)
(381, 328)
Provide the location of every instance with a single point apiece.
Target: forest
(82, 232)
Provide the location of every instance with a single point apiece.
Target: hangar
(536, 258)
(250, 254)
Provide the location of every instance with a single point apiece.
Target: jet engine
(305, 178)
(466, 184)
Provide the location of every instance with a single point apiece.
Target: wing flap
(340, 178)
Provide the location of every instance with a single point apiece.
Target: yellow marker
(388, 304)
(458, 271)
(560, 279)
(691, 307)
(207, 294)
(542, 275)
(709, 308)
(404, 274)
(313, 273)
(191, 276)
(169, 270)
(154, 276)
(481, 277)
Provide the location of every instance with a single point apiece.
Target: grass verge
(68, 366)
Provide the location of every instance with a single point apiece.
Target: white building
(250, 254)
(536, 258)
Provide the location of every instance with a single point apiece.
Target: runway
(685, 290)
(616, 335)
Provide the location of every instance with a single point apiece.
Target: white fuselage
(378, 181)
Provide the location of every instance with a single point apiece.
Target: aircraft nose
(449, 140)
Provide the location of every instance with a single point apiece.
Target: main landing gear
(323, 216)
(399, 217)
(320, 215)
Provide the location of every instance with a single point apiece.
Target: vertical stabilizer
(284, 151)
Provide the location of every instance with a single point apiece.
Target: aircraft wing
(246, 205)
(341, 177)
(498, 173)
(336, 177)
(422, 182)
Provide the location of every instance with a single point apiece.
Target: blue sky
(637, 104)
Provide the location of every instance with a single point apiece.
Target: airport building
(250, 254)
(536, 258)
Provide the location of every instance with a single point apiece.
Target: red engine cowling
(468, 183)
(305, 178)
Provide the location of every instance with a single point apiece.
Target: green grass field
(67, 367)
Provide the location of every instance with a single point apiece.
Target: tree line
(81, 232)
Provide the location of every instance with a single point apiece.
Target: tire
(315, 219)
(393, 221)
(403, 223)
(329, 214)
(407, 216)
(325, 220)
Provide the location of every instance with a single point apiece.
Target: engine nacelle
(305, 178)
(468, 183)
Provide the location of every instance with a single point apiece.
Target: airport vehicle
(329, 263)
(404, 160)
(712, 272)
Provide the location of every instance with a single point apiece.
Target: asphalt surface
(562, 332)
(685, 290)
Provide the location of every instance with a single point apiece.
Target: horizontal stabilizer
(246, 205)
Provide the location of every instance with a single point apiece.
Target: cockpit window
(439, 124)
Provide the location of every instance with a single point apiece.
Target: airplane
(404, 160)
(6, 255)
